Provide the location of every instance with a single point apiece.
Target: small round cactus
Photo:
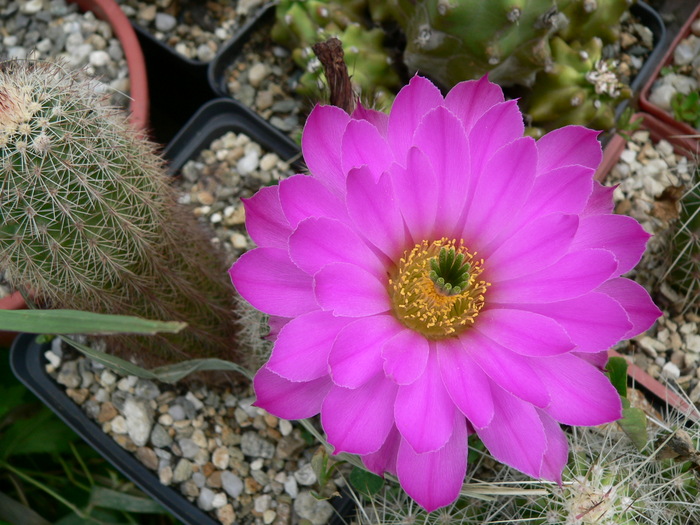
(89, 221)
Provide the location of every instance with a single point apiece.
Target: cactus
(455, 40)
(89, 221)
(300, 24)
(683, 273)
(580, 88)
(607, 481)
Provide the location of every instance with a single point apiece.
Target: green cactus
(580, 88)
(455, 40)
(300, 24)
(88, 220)
(683, 273)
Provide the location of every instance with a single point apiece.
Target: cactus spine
(684, 271)
(89, 221)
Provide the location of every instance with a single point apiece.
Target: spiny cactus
(452, 40)
(580, 88)
(683, 273)
(300, 24)
(606, 482)
(88, 220)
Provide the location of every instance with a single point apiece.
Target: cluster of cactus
(683, 273)
(553, 46)
(89, 220)
(579, 88)
(300, 24)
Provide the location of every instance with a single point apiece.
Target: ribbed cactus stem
(684, 271)
(89, 220)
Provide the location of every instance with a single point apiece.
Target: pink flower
(439, 274)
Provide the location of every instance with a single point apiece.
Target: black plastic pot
(228, 53)
(28, 365)
(215, 118)
(179, 86)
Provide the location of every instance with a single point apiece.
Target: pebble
(318, 512)
(165, 22)
(138, 421)
(254, 446)
(232, 484)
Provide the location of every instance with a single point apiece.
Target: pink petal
(512, 372)
(276, 324)
(379, 119)
(267, 279)
(358, 421)
(356, 354)
(502, 188)
(411, 103)
(364, 145)
(384, 459)
(289, 399)
(568, 146)
(600, 201)
(321, 241)
(434, 479)
(581, 394)
(350, 291)
(597, 359)
(416, 193)
(374, 210)
(523, 332)
(264, 219)
(516, 435)
(538, 245)
(441, 137)
(303, 345)
(321, 143)
(621, 235)
(405, 356)
(572, 276)
(641, 310)
(557, 454)
(594, 321)
(466, 383)
(471, 99)
(424, 412)
(562, 190)
(500, 125)
(303, 197)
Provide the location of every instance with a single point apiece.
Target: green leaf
(365, 482)
(77, 322)
(112, 499)
(167, 373)
(12, 511)
(42, 433)
(634, 424)
(617, 371)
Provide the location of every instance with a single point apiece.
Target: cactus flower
(439, 274)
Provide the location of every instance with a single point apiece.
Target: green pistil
(449, 272)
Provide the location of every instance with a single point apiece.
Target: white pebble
(257, 73)
(165, 22)
(107, 378)
(119, 425)
(285, 427)
(99, 58)
(670, 371)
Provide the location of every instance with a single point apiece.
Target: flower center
(435, 289)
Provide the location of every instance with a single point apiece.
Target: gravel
(227, 457)
(39, 29)
(195, 30)
(646, 172)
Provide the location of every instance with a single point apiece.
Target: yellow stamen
(420, 304)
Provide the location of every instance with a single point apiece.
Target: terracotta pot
(658, 130)
(109, 11)
(683, 131)
(13, 301)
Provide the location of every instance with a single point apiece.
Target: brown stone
(107, 412)
(148, 457)
(214, 480)
(226, 515)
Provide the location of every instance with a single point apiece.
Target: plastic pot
(181, 85)
(109, 11)
(689, 134)
(217, 117)
(29, 366)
